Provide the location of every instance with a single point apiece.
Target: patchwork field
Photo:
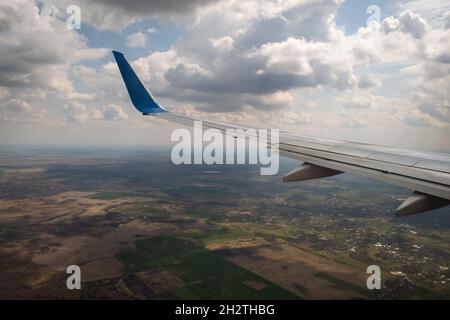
(297, 270)
(204, 274)
(204, 234)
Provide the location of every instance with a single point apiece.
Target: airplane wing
(427, 174)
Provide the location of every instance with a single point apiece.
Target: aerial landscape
(213, 232)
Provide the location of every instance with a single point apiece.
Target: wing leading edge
(426, 174)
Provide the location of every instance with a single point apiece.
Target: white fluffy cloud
(110, 113)
(238, 51)
(431, 10)
(279, 62)
(76, 113)
(36, 56)
(37, 47)
(447, 20)
(250, 56)
(224, 43)
(16, 110)
(407, 22)
(314, 63)
(137, 39)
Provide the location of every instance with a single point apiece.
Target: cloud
(36, 56)
(16, 110)
(239, 50)
(110, 113)
(117, 14)
(438, 48)
(239, 56)
(4, 92)
(283, 63)
(431, 10)
(368, 81)
(365, 100)
(407, 22)
(420, 120)
(135, 40)
(312, 63)
(18, 105)
(440, 113)
(76, 113)
(37, 48)
(224, 43)
(447, 20)
(349, 122)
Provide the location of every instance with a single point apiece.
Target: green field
(342, 284)
(206, 275)
(142, 210)
(283, 232)
(108, 195)
(3, 172)
(213, 235)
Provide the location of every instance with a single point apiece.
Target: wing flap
(436, 189)
(434, 165)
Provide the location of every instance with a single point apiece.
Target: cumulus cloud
(137, 39)
(117, 14)
(431, 10)
(447, 20)
(16, 110)
(439, 112)
(36, 56)
(365, 100)
(76, 113)
(267, 61)
(407, 22)
(240, 50)
(18, 105)
(37, 48)
(350, 122)
(368, 81)
(4, 92)
(224, 43)
(312, 63)
(110, 113)
(438, 48)
(243, 54)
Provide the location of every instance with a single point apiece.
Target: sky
(367, 71)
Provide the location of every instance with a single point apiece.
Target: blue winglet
(140, 97)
